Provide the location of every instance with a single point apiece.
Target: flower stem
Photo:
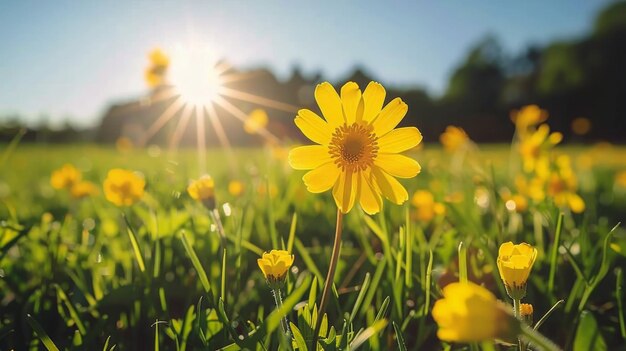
(329, 278)
(279, 305)
(517, 313)
(215, 217)
(539, 341)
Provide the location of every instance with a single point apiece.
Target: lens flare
(195, 76)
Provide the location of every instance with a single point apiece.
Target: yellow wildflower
(470, 313)
(357, 150)
(274, 265)
(535, 146)
(65, 177)
(515, 263)
(527, 118)
(83, 189)
(257, 120)
(426, 207)
(235, 188)
(562, 185)
(123, 187)
(203, 190)
(155, 73)
(453, 139)
(533, 188)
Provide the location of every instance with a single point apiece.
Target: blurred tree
(477, 83)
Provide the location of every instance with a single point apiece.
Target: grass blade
(196, 262)
(359, 299)
(156, 336)
(399, 337)
(554, 253)
(223, 286)
(135, 244)
(292, 232)
(368, 333)
(547, 314)
(41, 334)
(299, 339)
(70, 307)
(620, 308)
(462, 263)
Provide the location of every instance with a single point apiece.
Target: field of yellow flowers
(363, 239)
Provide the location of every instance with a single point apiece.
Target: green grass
(86, 275)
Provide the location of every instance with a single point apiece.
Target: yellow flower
(535, 146)
(514, 264)
(453, 139)
(533, 188)
(357, 150)
(470, 313)
(123, 187)
(562, 185)
(257, 120)
(155, 73)
(65, 177)
(158, 58)
(83, 189)
(235, 188)
(426, 207)
(203, 190)
(274, 265)
(527, 118)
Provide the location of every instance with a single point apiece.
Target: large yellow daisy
(357, 150)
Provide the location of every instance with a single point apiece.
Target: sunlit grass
(86, 274)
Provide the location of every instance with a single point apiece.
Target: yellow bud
(65, 177)
(123, 187)
(203, 190)
(470, 313)
(515, 263)
(274, 265)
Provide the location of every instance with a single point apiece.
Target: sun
(195, 75)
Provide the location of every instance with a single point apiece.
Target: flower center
(354, 147)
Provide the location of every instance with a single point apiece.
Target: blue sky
(69, 59)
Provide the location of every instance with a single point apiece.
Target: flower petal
(345, 190)
(369, 198)
(373, 99)
(576, 203)
(309, 156)
(321, 178)
(398, 165)
(389, 186)
(399, 140)
(389, 117)
(313, 126)
(330, 104)
(350, 99)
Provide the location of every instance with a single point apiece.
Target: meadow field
(79, 273)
